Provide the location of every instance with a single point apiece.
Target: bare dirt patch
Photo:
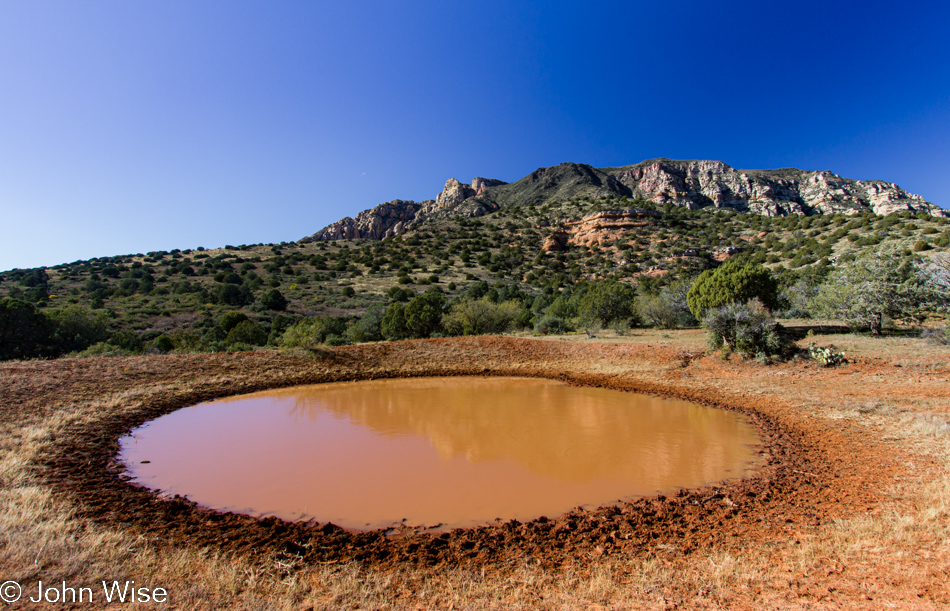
(848, 509)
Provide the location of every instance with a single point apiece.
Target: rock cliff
(702, 183)
(383, 221)
(693, 184)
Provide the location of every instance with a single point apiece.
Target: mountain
(692, 184)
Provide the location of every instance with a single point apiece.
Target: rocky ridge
(693, 184)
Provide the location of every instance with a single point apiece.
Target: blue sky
(127, 127)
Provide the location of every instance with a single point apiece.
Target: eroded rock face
(455, 192)
(383, 221)
(604, 226)
(701, 183)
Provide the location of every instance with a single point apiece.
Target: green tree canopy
(732, 282)
(25, 332)
(608, 301)
(881, 282)
(424, 313)
(394, 322)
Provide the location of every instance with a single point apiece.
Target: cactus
(828, 357)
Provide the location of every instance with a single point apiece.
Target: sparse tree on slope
(882, 282)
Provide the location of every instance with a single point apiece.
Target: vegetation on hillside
(454, 276)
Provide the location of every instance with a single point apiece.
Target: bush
(397, 293)
(77, 328)
(368, 327)
(230, 320)
(424, 314)
(232, 294)
(127, 340)
(608, 302)
(481, 316)
(103, 349)
(25, 332)
(310, 333)
(668, 309)
(394, 322)
(745, 328)
(732, 282)
(280, 324)
(551, 324)
(163, 343)
(274, 300)
(247, 332)
(940, 337)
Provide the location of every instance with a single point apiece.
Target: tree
(881, 282)
(732, 282)
(274, 300)
(230, 320)
(368, 327)
(424, 313)
(480, 316)
(25, 332)
(668, 309)
(232, 294)
(394, 322)
(247, 332)
(608, 301)
(77, 328)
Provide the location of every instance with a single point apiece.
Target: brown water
(435, 451)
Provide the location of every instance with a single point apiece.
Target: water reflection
(436, 450)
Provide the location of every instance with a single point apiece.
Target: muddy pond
(435, 452)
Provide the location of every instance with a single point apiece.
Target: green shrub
(481, 316)
(274, 300)
(394, 322)
(732, 282)
(163, 343)
(311, 333)
(424, 314)
(368, 327)
(281, 323)
(25, 332)
(77, 328)
(230, 320)
(247, 332)
(608, 302)
(103, 349)
(349, 291)
(745, 328)
(127, 340)
(233, 295)
(549, 324)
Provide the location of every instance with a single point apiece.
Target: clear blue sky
(134, 126)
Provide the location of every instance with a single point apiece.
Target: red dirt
(814, 473)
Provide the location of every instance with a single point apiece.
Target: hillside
(540, 240)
